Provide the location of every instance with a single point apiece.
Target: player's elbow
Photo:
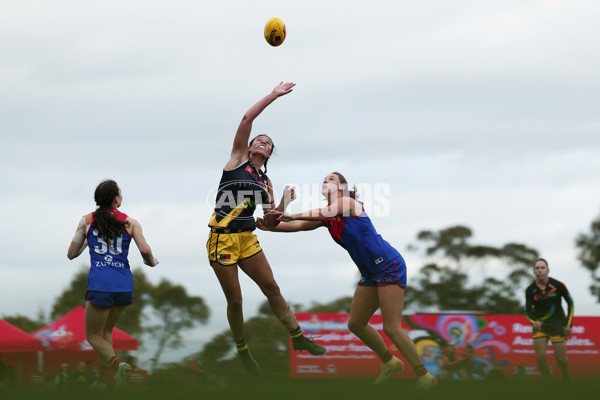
(246, 119)
(73, 251)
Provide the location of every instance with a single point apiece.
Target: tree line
(458, 276)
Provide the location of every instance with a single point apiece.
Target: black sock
(241, 345)
(296, 333)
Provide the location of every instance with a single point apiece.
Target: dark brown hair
(347, 191)
(542, 259)
(109, 227)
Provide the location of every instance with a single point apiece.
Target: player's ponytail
(348, 191)
(109, 227)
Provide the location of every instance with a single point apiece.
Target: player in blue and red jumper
(544, 311)
(107, 233)
(382, 268)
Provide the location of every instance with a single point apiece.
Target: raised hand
(283, 88)
(289, 195)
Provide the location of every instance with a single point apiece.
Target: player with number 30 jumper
(107, 233)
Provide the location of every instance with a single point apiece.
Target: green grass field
(312, 389)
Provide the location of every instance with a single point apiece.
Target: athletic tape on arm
(79, 236)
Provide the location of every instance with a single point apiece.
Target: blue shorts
(393, 273)
(109, 299)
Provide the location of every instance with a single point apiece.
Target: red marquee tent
(64, 341)
(17, 348)
(14, 340)
(68, 334)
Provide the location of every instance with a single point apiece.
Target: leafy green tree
(589, 254)
(26, 324)
(266, 337)
(174, 310)
(341, 305)
(445, 285)
(72, 296)
(217, 352)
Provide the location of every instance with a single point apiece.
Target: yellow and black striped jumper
(232, 222)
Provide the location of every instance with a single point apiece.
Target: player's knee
(355, 327)
(234, 303)
(93, 337)
(391, 330)
(271, 290)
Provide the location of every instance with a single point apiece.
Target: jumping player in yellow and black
(544, 310)
(232, 243)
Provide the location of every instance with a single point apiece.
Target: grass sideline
(318, 389)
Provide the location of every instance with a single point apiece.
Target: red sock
(114, 363)
(421, 370)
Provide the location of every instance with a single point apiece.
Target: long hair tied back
(109, 227)
(351, 192)
(272, 148)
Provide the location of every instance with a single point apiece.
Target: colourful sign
(496, 344)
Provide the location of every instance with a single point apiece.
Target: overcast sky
(481, 113)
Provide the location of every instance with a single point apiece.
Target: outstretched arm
(294, 226)
(140, 241)
(240, 142)
(343, 206)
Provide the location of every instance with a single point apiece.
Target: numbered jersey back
(109, 270)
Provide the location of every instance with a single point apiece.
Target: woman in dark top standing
(544, 310)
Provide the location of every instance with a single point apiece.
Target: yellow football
(275, 31)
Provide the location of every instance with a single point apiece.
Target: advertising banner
(490, 345)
